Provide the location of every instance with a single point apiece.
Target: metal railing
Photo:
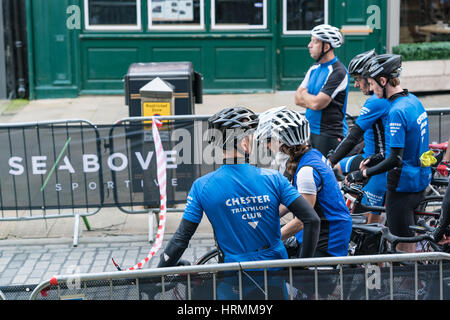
(26, 193)
(131, 284)
(19, 201)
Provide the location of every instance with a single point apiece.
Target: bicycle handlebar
(394, 240)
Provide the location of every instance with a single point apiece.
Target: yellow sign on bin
(150, 109)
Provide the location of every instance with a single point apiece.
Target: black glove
(438, 233)
(355, 176)
(374, 159)
(330, 154)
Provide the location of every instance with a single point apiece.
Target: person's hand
(443, 168)
(445, 240)
(371, 161)
(439, 235)
(363, 164)
(355, 177)
(329, 155)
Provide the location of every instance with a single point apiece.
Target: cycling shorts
(349, 164)
(375, 189)
(400, 211)
(324, 143)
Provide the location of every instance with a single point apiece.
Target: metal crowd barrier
(440, 129)
(17, 193)
(17, 197)
(374, 282)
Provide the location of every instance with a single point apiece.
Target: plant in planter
(426, 66)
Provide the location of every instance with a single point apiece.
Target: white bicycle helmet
(289, 127)
(329, 34)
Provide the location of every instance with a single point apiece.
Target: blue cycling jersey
(408, 122)
(336, 222)
(373, 120)
(242, 203)
(330, 78)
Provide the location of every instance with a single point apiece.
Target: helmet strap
(383, 87)
(323, 52)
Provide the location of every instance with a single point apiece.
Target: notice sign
(150, 109)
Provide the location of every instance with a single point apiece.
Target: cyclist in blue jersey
(409, 135)
(288, 131)
(324, 90)
(371, 125)
(241, 202)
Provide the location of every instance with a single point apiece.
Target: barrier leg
(76, 229)
(150, 226)
(86, 223)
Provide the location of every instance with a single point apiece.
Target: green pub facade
(86, 46)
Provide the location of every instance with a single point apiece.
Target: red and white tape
(162, 182)
(162, 178)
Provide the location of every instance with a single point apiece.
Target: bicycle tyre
(212, 256)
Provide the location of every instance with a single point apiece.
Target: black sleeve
(394, 160)
(346, 145)
(177, 244)
(311, 222)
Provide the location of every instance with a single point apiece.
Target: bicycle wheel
(211, 257)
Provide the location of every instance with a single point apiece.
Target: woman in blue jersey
(309, 172)
(371, 125)
(241, 202)
(408, 123)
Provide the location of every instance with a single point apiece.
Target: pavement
(33, 251)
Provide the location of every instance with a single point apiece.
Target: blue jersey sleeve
(287, 192)
(194, 209)
(372, 110)
(397, 127)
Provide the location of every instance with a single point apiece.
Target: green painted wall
(66, 63)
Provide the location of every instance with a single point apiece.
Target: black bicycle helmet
(356, 65)
(236, 122)
(384, 65)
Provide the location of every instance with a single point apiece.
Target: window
(175, 14)
(300, 16)
(424, 21)
(112, 14)
(238, 14)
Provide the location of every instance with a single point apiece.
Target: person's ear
(245, 144)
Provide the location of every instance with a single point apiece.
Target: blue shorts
(350, 164)
(375, 189)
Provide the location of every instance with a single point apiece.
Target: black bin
(187, 82)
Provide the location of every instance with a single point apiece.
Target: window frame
(221, 27)
(301, 32)
(176, 27)
(112, 27)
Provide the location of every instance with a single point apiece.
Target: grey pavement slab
(21, 269)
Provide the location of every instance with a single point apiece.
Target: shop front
(86, 46)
